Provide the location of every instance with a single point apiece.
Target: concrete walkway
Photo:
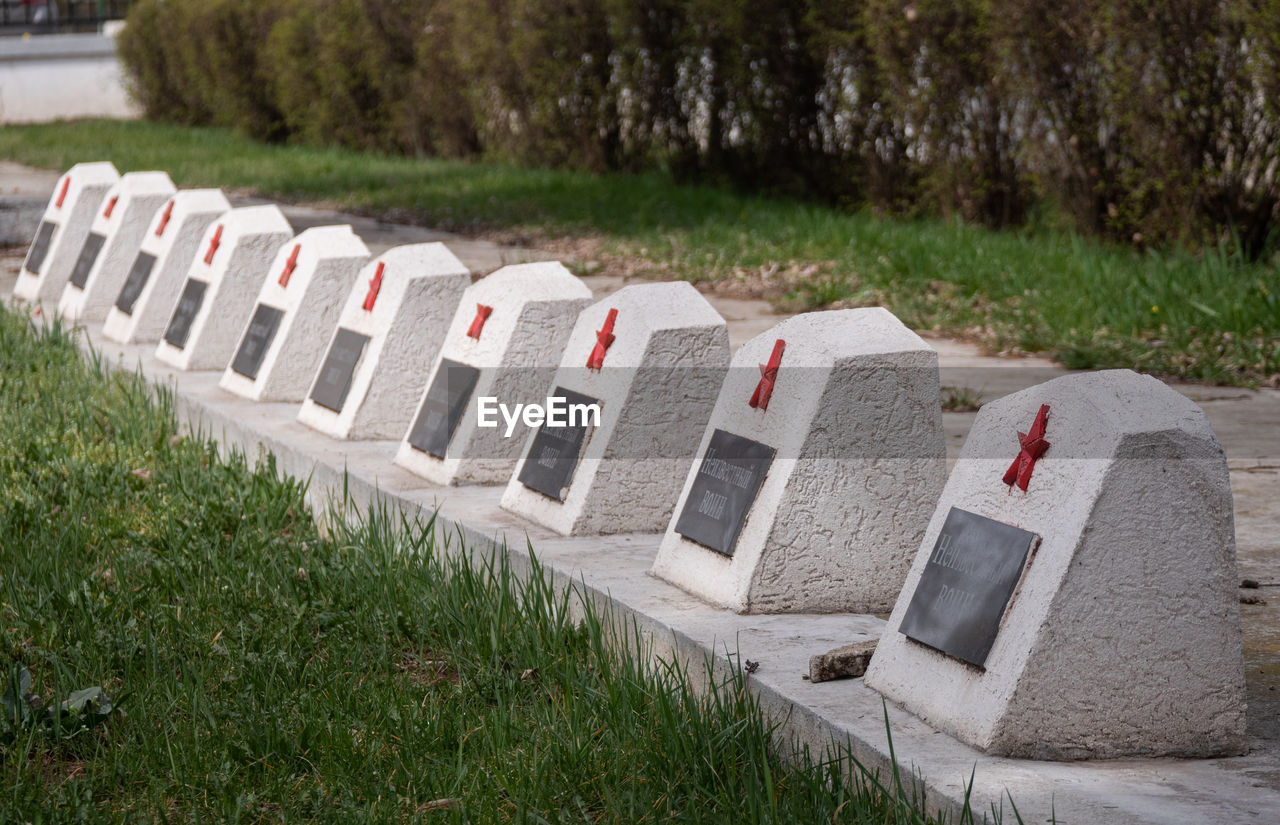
(1246, 422)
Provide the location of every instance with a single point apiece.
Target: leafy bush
(1146, 122)
(205, 63)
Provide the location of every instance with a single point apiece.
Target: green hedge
(1147, 122)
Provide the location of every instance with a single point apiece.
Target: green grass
(1211, 317)
(274, 674)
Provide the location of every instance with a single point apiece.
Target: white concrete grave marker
(75, 201)
(505, 342)
(112, 245)
(392, 327)
(283, 341)
(231, 262)
(147, 296)
(652, 357)
(818, 471)
(1117, 632)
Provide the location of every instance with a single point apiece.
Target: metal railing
(50, 16)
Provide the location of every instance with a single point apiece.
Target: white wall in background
(61, 76)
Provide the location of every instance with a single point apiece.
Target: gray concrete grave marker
(226, 275)
(818, 471)
(1119, 635)
(388, 337)
(652, 357)
(74, 203)
(297, 310)
(510, 329)
(159, 272)
(112, 246)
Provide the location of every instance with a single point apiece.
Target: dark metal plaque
(553, 456)
(334, 381)
(136, 282)
(88, 254)
(184, 314)
(259, 335)
(726, 486)
(39, 247)
(446, 401)
(966, 585)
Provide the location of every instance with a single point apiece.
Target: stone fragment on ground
(846, 662)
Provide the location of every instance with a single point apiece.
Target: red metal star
(164, 219)
(477, 324)
(604, 338)
(214, 243)
(374, 286)
(290, 265)
(768, 375)
(1031, 445)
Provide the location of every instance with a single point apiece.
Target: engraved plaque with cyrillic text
(966, 585)
(39, 247)
(334, 380)
(88, 255)
(139, 274)
(726, 486)
(553, 455)
(184, 314)
(257, 338)
(446, 401)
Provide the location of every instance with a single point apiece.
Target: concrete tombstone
(75, 201)
(505, 342)
(112, 245)
(818, 471)
(1110, 625)
(231, 262)
(651, 357)
(388, 337)
(151, 288)
(284, 339)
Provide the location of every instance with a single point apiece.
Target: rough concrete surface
(321, 266)
(856, 423)
(534, 308)
(232, 270)
(845, 662)
(1123, 637)
(656, 387)
(172, 239)
(86, 185)
(418, 295)
(136, 197)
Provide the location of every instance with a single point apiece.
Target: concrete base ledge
(613, 571)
